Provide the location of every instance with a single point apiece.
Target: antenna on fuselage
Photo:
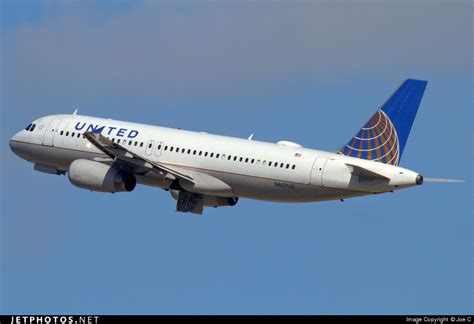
(75, 112)
(250, 137)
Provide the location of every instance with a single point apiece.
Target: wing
(133, 161)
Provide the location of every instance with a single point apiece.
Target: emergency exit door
(149, 147)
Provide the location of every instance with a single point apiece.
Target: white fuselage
(282, 172)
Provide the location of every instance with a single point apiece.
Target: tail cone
(419, 179)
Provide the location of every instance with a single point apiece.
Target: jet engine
(97, 176)
(211, 201)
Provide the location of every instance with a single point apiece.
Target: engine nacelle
(211, 201)
(98, 176)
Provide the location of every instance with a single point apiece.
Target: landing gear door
(50, 131)
(317, 171)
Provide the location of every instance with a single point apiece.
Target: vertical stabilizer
(384, 136)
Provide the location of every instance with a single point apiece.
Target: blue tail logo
(384, 136)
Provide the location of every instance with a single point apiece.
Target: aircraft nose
(14, 145)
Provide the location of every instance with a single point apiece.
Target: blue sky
(310, 72)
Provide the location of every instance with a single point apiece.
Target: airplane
(204, 170)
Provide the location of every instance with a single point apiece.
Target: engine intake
(101, 177)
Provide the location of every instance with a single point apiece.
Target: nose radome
(14, 143)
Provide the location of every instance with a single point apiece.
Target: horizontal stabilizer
(366, 173)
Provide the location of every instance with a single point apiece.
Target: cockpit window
(30, 127)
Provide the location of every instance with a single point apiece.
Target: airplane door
(159, 148)
(317, 171)
(149, 147)
(50, 131)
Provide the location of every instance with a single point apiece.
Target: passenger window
(194, 152)
(293, 167)
(73, 134)
(287, 166)
(246, 160)
(205, 154)
(78, 135)
(264, 163)
(177, 150)
(270, 163)
(136, 143)
(200, 153)
(212, 155)
(223, 156)
(166, 148)
(235, 158)
(141, 144)
(189, 151)
(61, 133)
(258, 162)
(229, 157)
(67, 133)
(150, 145)
(129, 142)
(182, 150)
(171, 149)
(252, 161)
(118, 141)
(159, 147)
(276, 164)
(113, 140)
(281, 165)
(241, 159)
(217, 155)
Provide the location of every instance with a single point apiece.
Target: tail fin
(384, 136)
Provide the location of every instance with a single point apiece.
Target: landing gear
(190, 202)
